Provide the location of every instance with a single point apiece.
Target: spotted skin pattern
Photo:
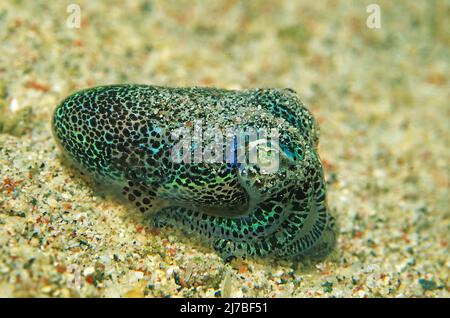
(121, 135)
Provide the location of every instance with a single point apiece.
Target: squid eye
(268, 159)
(265, 156)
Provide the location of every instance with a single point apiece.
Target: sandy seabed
(380, 97)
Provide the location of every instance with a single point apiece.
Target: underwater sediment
(383, 144)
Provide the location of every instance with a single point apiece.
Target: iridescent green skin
(121, 134)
